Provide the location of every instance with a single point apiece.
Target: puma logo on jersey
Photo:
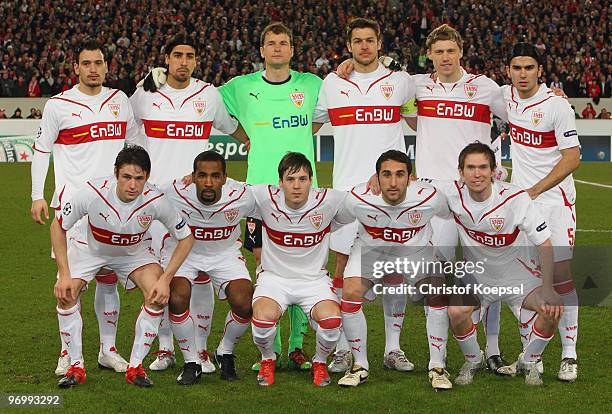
(503, 191)
(105, 217)
(104, 184)
(158, 105)
(374, 217)
(147, 191)
(77, 115)
(231, 193)
(255, 95)
(276, 217)
(430, 88)
(345, 93)
(187, 213)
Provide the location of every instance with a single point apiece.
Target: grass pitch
(30, 339)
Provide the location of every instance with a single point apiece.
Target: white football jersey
(365, 114)
(499, 229)
(405, 224)
(115, 228)
(177, 124)
(295, 243)
(540, 127)
(451, 116)
(216, 227)
(85, 133)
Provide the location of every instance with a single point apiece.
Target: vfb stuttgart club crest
(144, 220)
(497, 223)
(230, 215)
(114, 109)
(414, 217)
(251, 226)
(536, 117)
(470, 90)
(387, 90)
(316, 220)
(199, 106)
(297, 98)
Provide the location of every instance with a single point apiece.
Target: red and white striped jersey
(451, 116)
(498, 229)
(295, 243)
(216, 227)
(85, 133)
(115, 228)
(177, 124)
(365, 114)
(405, 224)
(540, 127)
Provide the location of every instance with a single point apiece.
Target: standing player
(392, 225)
(177, 119)
(275, 107)
(84, 127)
(214, 208)
(297, 222)
(454, 109)
(495, 221)
(119, 210)
(545, 152)
(365, 112)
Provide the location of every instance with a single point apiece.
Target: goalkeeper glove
(154, 80)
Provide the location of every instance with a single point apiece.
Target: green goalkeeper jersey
(277, 117)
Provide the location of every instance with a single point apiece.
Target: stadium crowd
(37, 39)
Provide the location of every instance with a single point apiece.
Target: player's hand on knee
(374, 185)
(63, 290)
(160, 293)
(39, 207)
(154, 80)
(345, 68)
(550, 304)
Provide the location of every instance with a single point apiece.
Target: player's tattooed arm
(569, 162)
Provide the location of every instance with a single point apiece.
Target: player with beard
(177, 119)
(84, 128)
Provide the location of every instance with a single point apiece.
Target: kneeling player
(391, 225)
(119, 210)
(213, 207)
(297, 221)
(497, 222)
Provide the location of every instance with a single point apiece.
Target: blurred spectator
(37, 38)
(32, 114)
(21, 87)
(604, 114)
(589, 112)
(17, 114)
(2, 113)
(38, 114)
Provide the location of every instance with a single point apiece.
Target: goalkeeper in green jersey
(275, 107)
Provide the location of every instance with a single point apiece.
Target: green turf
(30, 340)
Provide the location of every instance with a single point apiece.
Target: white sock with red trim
(491, 325)
(394, 306)
(71, 327)
(437, 324)
(469, 345)
(342, 344)
(535, 347)
(145, 332)
(356, 331)
(235, 327)
(166, 340)
(568, 324)
(263, 337)
(328, 333)
(184, 331)
(201, 307)
(107, 305)
(525, 331)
